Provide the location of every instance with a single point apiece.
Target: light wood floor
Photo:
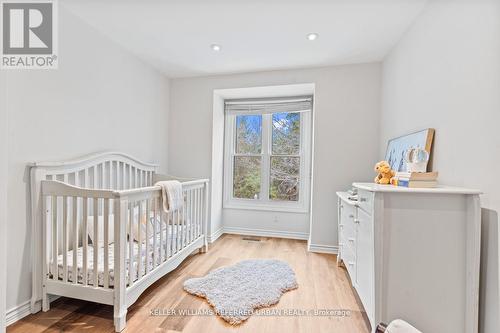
(322, 285)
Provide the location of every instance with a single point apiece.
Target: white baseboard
(215, 235)
(19, 312)
(24, 309)
(332, 249)
(266, 233)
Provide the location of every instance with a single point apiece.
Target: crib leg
(120, 319)
(45, 300)
(204, 248)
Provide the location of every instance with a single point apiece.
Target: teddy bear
(385, 173)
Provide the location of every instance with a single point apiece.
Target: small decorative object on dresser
(416, 160)
(384, 173)
(398, 148)
(413, 253)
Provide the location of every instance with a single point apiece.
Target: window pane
(246, 182)
(248, 134)
(284, 181)
(286, 133)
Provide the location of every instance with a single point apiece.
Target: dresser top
(372, 187)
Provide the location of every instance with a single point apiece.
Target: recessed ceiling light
(312, 36)
(215, 47)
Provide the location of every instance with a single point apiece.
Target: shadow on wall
(489, 294)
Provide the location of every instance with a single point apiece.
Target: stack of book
(415, 179)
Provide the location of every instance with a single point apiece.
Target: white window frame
(264, 203)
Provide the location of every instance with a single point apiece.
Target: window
(267, 154)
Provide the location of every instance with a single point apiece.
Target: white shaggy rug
(235, 291)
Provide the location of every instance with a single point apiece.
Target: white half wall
(100, 98)
(445, 74)
(346, 136)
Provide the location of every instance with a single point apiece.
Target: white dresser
(413, 254)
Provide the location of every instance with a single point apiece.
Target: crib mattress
(172, 233)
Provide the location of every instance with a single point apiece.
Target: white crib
(105, 209)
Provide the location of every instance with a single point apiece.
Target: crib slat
(175, 232)
(130, 176)
(110, 174)
(65, 238)
(190, 215)
(96, 242)
(168, 237)
(186, 215)
(193, 217)
(45, 228)
(179, 231)
(195, 193)
(155, 233)
(200, 211)
(103, 175)
(75, 239)
(86, 178)
(125, 176)
(55, 274)
(195, 213)
(159, 216)
(184, 226)
(85, 239)
(112, 183)
(139, 241)
(130, 244)
(118, 176)
(198, 206)
(148, 215)
(106, 242)
(200, 216)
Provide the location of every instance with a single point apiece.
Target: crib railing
(95, 237)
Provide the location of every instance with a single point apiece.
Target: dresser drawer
(349, 226)
(350, 262)
(365, 201)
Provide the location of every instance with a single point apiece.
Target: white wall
(3, 196)
(100, 98)
(347, 102)
(445, 74)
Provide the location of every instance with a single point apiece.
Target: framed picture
(397, 147)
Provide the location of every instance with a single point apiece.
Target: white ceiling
(255, 35)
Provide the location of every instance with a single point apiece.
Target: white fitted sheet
(172, 233)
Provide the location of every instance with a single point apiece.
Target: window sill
(265, 207)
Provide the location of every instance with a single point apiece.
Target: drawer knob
(362, 199)
(356, 221)
(351, 240)
(351, 216)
